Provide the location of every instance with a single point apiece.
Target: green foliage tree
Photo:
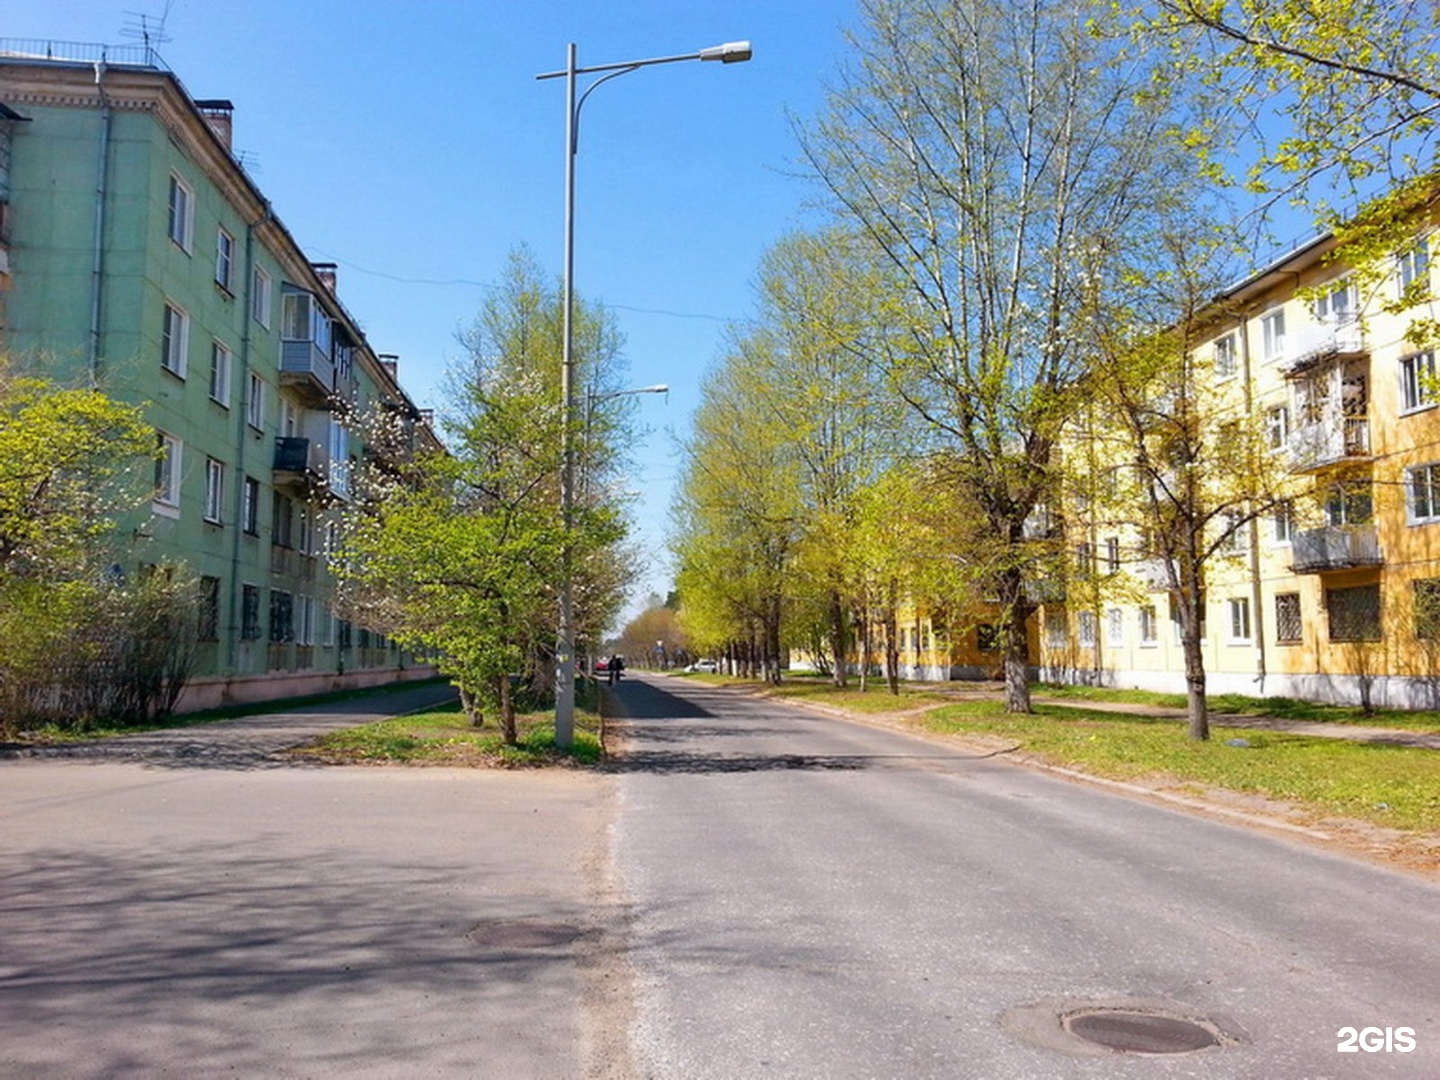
(79, 639)
(995, 158)
(464, 557)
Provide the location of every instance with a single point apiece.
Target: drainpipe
(1257, 596)
(102, 190)
(242, 439)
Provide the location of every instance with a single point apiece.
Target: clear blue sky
(411, 144)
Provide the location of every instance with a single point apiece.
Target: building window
(1354, 613)
(1427, 608)
(1349, 504)
(1417, 376)
(220, 357)
(1149, 625)
(1277, 426)
(1112, 554)
(1272, 331)
(255, 403)
(305, 621)
(282, 616)
(1412, 269)
(225, 260)
(1288, 627)
(250, 507)
(1115, 626)
(1235, 536)
(282, 527)
(1283, 518)
(214, 489)
(1422, 486)
(1084, 559)
(249, 612)
(174, 340)
(1055, 629)
(1337, 305)
(327, 627)
(1225, 357)
(987, 638)
(167, 469)
(1177, 619)
(262, 292)
(182, 212)
(207, 623)
(1087, 628)
(1239, 619)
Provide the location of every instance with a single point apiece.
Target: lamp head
(732, 52)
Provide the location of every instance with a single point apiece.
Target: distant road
(816, 898)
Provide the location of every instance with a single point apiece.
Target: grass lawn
(445, 737)
(1387, 785)
(1239, 705)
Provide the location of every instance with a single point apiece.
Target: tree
(464, 557)
(79, 638)
(995, 158)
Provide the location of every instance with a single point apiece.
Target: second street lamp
(729, 53)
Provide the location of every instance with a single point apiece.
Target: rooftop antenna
(148, 29)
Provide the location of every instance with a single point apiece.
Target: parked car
(711, 666)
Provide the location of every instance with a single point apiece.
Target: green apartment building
(135, 252)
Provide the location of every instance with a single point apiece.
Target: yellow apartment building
(1335, 594)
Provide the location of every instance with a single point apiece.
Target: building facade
(1332, 592)
(137, 254)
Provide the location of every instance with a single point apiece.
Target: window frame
(1430, 471)
(1086, 634)
(250, 507)
(180, 213)
(1241, 626)
(174, 339)
(1411, 265)
(1283, 619)
(169, 460)
(1227, 357)
(250, 612)
(255, 402)
(262, 298)
(214, 506)
(1272, 343)
(225, 260)
(1415, 369)
(222, 359)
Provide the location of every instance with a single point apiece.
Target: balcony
(1335, 547)
(300, 465)
(1154, 574)
(307, 371)
(1344, 439)
(1045, 591)
(1315, 343)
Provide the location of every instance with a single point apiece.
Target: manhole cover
(523, 935)
(1140, 1032)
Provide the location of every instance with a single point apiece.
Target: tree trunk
(471, 704)
(866, 647)
(507, 710)
(837, 638)
(1015, 642)
(892, 640)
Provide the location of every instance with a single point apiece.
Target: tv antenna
(148, 29)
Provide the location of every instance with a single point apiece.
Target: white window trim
(1114, 627)
(1422, 402)
(180, 348)
(1085, 629)
(1279, 354)
(221, 394)
(227, 280)
(214, 491)
(166, 501)
(186, 225)
(1234, 605)
(262, 302)
(1411, 516)
(255, 402)
(1234, 351)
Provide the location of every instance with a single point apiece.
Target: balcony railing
(1344, 439)
(308, 370)
(1314, 342)
(1154, 574)
(1335, 547)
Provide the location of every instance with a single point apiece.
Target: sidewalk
(1353, 732)
(242, 741)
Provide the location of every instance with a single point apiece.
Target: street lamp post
(729, 53)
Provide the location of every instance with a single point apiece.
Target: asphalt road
(816, 898)
(192, 904)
